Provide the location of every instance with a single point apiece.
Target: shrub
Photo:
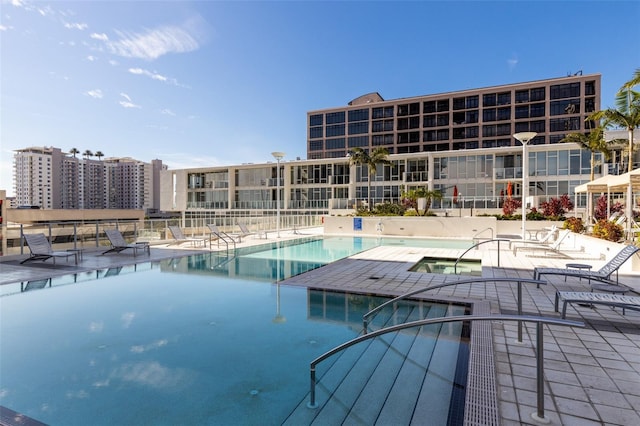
(574, 224)
(608, 230)
(600, 211)
(510, 206)
(534, 214)
(388, 209)
(556, 208)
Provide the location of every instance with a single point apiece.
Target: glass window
(315, 145)
(471, 132)
(522, 111)
(504, 113)
(377, 126)
(458, 118)
(414, 108)
(429, 120)
(403, 123)
(567, 90)
(443, 119)
(414, 122)
(503, 129)
(537, 126)
(537, 94)
(489, 130)
(458, 103)
(443, 105)
(359, 115)
(443, 135)
(429, 135)
(358, 128)
(589, 88)
(489, 99)
(537, 110)
(403, 110)
(567, 106)
(504, 98)
(315, 120)
(377, 112)
(358, 141)
(335, 117)
(472, 101)
(522, 96)
(335, 130)
(315, 132)
(429, 106)
(489, 114)
(472, 116)
(336, 143)
(522, 126)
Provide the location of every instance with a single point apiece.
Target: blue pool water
(166, 343)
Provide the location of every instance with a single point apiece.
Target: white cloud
(153, 43)
(512, 62)
(127, 318)
(154, 375)
(76, 26)
(152, 75)
(167, 111)
(127, 103)
(100, 37)
(95, 94)
(124, 95)
(92, 58)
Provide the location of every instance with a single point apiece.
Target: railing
(480, 232)
(455, 265)
(539, 347)
(519, 281)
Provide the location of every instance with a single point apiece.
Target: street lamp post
(278, 156)
(524, 138)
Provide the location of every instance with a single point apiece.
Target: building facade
(468, 119)
(51, 179)
(458, 143)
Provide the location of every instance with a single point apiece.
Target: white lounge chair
(244, 232)
(180, 238)
(119, 244)
(41, 249)
(543, 245)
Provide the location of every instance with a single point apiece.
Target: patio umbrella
(509, 189)
(455, 194)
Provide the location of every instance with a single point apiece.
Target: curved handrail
(455, 265)
(539, 345)
(519, 281)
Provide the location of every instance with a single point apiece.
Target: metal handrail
(480, 232)
(223, 236)
(365, 317)
(539, 346)
(455, 265)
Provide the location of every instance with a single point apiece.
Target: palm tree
(99, 154)
(626, 114)
(592, 142)
(360, 157)
(74, 151)
(87, 153)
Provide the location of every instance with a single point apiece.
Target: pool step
(386, 382)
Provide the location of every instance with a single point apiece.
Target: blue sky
(213, 83)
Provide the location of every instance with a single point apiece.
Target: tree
(410, 199)
(87, 153)
(74, 151)
(592, 142)
(626, 115)
(99, 154)
(360, 157)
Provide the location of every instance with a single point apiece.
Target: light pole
(524, 138)
(278, 156)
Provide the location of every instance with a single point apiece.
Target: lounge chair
(119, 244)
(587, 297)
(545, 245)
(217, 234)
(603, 274)
(41, 249)
(180, 238)
(244, 232)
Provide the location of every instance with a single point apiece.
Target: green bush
(388, 209)
(608, 230)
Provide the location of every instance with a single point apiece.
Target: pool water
(140, 345)
(443, 265)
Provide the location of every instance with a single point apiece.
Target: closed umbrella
(509, 190)
(455, 194)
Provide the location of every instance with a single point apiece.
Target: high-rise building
(51, 179)
(466, 119)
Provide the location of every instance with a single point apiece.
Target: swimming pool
(143, 346)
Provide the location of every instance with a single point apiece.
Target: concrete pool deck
(592, 374)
